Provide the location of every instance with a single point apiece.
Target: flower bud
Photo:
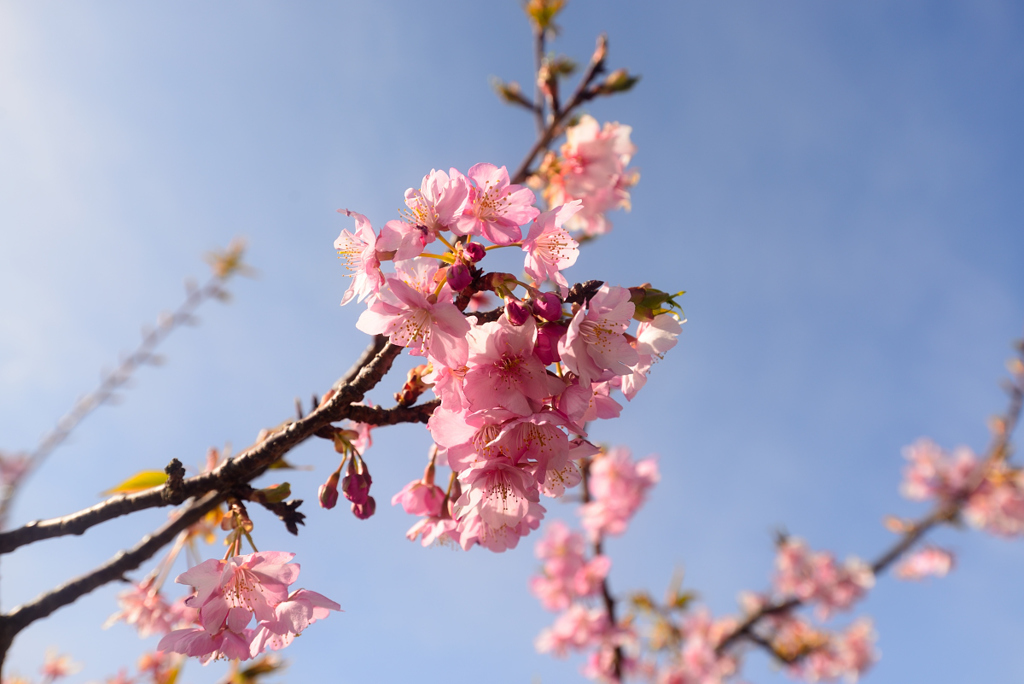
(366, 509)
(357, 481)
(516, 312)
(548, 306)
(546, 347)
(474, 250)
(328, 493)
(459, 276)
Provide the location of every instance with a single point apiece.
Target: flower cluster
(516, 384)
(816, 577)
(990, 494)
(591, 168)
(618, 486)
(570, 581)
(230, 592)
(567, 574)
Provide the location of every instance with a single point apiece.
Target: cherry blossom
(931, 560)
(495, 209)
(439, 202)
(594, 343)
(359, 252)
(549, 248)
(618, 487)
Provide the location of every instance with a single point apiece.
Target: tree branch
(581, 95)
(224, 264)
(943, 513)
(22, 616)
(241, 469)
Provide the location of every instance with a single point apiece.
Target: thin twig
(22, 616)
(581, 95)
(115, 380)
(943, 513)
(238, 470)
(538, 96)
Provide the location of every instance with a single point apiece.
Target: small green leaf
(147, 479)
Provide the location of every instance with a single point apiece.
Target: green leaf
(147, 479)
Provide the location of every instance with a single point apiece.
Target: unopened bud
(366, 509)
(516, 312)
(328, 493)
(546, 347)
(548, 306)
(459, 276)
(474, 250)
(357, 481)
(619, 81)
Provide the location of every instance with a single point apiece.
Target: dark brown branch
(374, 415)
(238, 470)
(579, 96)
(114, 569)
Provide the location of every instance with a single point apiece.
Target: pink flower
(429, 325)
(439, 202)
(145, 607)
(595, 342)
(932, 473)
(56, 666)
(495, 208)
(931, 560)
(503, 371)
(293, 615)
(818, 578)
(229, 593)
(549, 248)
(997, 505)
(593, 169)
(653, 339)
(618, 487)
(567, 574)
(578, 628)
(420, 498)
(434, 529)
(359, 252)
(498, 505)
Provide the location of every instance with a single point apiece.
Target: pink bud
(366, 509)
(328, 493)
(516, 312)
(357, 481)
(459, 276)
(474, 250)
(546, 348)
(548, 306)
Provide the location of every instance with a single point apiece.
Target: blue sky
(836, 186)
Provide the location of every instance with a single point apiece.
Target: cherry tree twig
(582, 94)
(244, 467)
(224, 264)
(22, 616)
(943, 513)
